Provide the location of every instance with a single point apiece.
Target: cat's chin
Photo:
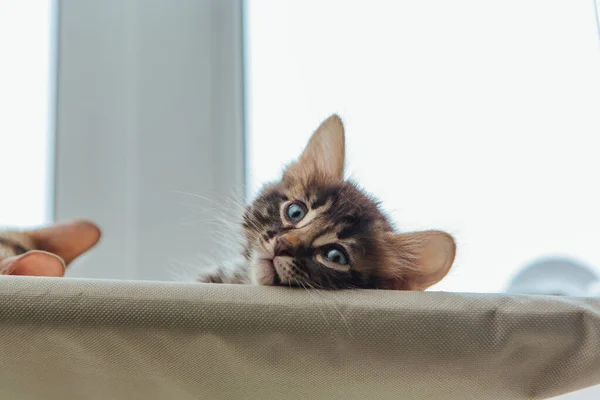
(264, 272)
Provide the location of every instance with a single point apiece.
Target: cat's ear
(324, 156)
(416, 261)
(67, 240)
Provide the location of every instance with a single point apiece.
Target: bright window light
(25, 106)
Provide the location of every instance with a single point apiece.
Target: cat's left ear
(416, 261)
(324, 156)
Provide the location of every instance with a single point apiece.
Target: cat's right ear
(416, 261)
(324, 156)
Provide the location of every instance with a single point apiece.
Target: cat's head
(313, 228)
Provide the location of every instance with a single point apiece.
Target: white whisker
(335, 307)
(299, 283)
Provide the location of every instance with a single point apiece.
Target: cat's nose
(284, 247)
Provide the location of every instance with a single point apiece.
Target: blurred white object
(594, 289)
(556, 276)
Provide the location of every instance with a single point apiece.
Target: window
(26, 112)
(480, 118)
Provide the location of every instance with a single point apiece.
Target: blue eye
(336, 256)
(296, 211)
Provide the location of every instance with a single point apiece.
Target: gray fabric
(83, 339)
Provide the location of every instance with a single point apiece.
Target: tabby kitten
(315, 229)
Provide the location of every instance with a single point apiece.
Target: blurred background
(479, 118)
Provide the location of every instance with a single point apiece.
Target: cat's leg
(233, 273)
(216, 276)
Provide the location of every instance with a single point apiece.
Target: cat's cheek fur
(285, 269)
(262, 272)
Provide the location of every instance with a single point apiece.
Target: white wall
(149, 104)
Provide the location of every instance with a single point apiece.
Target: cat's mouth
(276, 277)
(269, 272)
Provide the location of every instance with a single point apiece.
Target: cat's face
(315, 229)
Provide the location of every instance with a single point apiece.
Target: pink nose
(284, 247)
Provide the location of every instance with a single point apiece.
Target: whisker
(198, 197)
(344, 320)
(299, 283)
(205, 221)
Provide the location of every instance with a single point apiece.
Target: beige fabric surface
(82, 339)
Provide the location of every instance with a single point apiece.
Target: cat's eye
(296, 211)
(336, 255)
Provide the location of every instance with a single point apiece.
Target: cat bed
(91, 339)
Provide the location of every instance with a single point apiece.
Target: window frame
(115, 94)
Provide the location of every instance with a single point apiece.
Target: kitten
(45, 251)
(314, 229)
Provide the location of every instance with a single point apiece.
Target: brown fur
(339, 215)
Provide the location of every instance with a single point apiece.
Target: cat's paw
(232, 274)
(210, 278)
